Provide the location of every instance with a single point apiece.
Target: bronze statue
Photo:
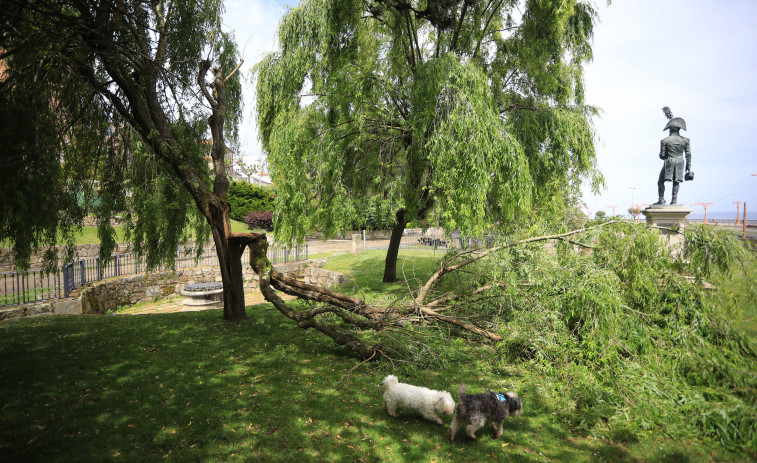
(672, 151)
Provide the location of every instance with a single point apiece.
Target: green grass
(189, 387)
(367, 268)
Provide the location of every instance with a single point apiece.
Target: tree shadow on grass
(189, 387)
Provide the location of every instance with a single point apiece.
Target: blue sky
(697, 57)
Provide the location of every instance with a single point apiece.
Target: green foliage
(632, 342)
(168, 387)
(48, 163)
(245, 197)
(709, 249)
(629, 344)
(112, 115)
(161, 216)
(455, 109)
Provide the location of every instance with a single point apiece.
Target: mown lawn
(189, 387)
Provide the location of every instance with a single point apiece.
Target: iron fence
(36, 285)
(439, 240)
(722, 221)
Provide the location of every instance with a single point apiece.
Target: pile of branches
(357, 313)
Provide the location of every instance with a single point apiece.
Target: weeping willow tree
(472, 110)
(114, 99)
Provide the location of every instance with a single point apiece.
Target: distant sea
(750, 215)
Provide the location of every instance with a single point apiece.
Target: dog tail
(462, 390)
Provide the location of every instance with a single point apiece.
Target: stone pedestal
(201, 296)
(667, 219)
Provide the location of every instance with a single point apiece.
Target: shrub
(257, 220)
(245, 197)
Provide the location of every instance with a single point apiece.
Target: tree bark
(390, 265)
(229, 261)
(229, 252)
(305, 319)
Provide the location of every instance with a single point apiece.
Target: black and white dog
(477, 409)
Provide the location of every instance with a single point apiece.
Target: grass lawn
(189, 387)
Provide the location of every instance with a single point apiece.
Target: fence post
(82, 270)
(20, 286)
(66, 288)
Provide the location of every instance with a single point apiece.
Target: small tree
(600, 214)
(246, 169)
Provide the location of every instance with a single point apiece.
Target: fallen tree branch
(262, 266)
(419, 300)
(457, 322)
(578, 244)
(448, 296)
(351, 310)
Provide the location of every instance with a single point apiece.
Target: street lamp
(705, 206)
(737, 204)
(638, 211)
(613, 209)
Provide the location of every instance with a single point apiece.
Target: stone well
(201, 296)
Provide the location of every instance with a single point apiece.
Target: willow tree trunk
(217, 213)
(390, 265)
(229, 261)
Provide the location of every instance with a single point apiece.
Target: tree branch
(486, 26)
(226, 79)
(455, 36)
(204, 67)
(419, 300)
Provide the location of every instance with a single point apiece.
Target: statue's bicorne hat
(677, 122)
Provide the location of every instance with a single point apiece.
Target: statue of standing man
(673, 148)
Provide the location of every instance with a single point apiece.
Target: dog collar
(500, 397)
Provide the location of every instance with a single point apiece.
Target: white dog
(425, 401)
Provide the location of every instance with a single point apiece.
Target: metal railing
(284, 255)
(722, 221)
(36, 285)
(415, 240)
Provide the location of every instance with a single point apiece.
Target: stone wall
(107, 295)
(68, 306)
(323, 278)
